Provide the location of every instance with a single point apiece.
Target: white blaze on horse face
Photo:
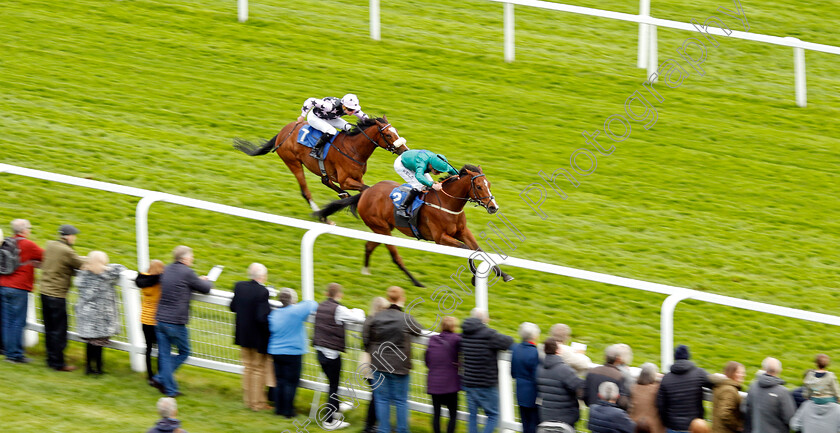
(486, 185)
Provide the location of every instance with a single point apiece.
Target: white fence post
(307, 262)
(799, 75)
(666, 332)
(374, 20)
(142, 228)
(510, 33)
(506, 411)
(644, 33)
(653, 53)
(243, 11)
(30, 337)
(133, 327)
(481, 298)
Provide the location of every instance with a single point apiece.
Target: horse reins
(476, 200)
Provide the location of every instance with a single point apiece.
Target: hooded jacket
(769, 406)
(558, 387)
(816, 418)
(680, 396)
(726, 408)
(480, 346)
(167, 425)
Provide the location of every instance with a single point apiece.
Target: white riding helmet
(351, 101)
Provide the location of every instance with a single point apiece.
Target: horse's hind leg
(369, 247)
(297, 170)
(395, 256)
(472, 244)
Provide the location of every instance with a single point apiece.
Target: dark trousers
(371, 415)
(332, 369)
(151, 340)
(451, 402)
(287, 371)
(93, 359)
(530, 417)
(54, 311)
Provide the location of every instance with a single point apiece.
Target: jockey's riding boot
(316, 151)
(409, 199)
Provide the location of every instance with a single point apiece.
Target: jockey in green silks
(414, 166)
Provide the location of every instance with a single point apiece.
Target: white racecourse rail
(647, 57)
(313, 230)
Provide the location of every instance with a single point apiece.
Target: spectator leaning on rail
(726, 399)
(250, 303)
(680, 396)
(287, 344)
(821, 384)
(443, 380)
(814, 417)
(378, 305)
(480, 346)
(328, 340)
(524, 362)
(167, 409)
(14, 292)
(388, 339)
(769, 406)
(59, 264)
(608, 372)
(149, 284)
(576, 359)
(97, 314)
(559, 388)
(643, 399)
(173, 313)
(605, 416)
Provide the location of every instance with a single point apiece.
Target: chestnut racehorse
(441, 219)
(346, 162)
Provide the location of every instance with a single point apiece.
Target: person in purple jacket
(443, 380)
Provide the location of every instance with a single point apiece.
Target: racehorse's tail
(254, 149)
(338, 205)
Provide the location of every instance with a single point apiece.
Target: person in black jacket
(250, 303)
(613, 359)
(388, 340)
(558, 388)
(680, 396)
(480, 346)
(328, 340)
(605, 416)
(173, 313)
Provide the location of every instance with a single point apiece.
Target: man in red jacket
(14, 292)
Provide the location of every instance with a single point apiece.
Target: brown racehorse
(346, 162)
(441, 219)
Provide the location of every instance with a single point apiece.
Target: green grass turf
(733, 191)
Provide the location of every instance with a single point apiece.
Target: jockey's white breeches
(326, 126)
(409, 175)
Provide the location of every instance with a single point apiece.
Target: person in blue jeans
(177, 283)
(387, 337)
(287, 345)
(480, 346)
(14, 292)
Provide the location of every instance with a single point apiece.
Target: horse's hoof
(507, 278)
(330, 222)
(365, 271)
(344, 195)
(418, 284)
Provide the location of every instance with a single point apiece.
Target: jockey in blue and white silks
(325, 116)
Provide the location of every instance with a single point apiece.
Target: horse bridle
(391, 148)
(477, 200)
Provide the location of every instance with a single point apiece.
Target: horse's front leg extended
(328, 182)
(472, 244)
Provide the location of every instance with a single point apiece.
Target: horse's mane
(363, 124)
(463, 172)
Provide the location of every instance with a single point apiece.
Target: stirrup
(315, 153)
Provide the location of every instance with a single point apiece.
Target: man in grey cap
(59, 264)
